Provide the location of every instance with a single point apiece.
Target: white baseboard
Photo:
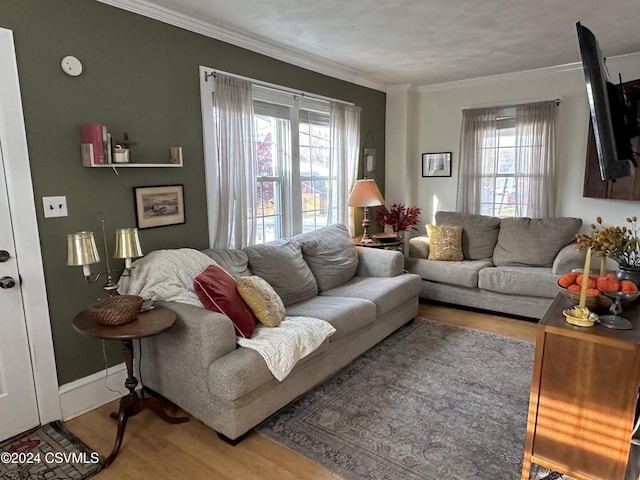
(88, 393)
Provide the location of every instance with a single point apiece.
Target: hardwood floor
(155, 449)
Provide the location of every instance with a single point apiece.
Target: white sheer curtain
(235, 225)
(535, 159)
(532, 150)
(345, 146)
(479, 128)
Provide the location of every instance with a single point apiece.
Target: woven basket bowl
(116, 310)
(592, 302)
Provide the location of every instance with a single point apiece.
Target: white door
(18, 406)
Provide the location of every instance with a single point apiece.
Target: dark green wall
(140, 76)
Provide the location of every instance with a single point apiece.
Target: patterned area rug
(47, 452)
(432, 402)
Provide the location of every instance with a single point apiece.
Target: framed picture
(436, 164)
(159, 206)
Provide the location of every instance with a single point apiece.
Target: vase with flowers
(399, 217)
(619, 243)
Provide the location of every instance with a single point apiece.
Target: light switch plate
(55, 207)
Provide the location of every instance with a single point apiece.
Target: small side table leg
(129, 404)
(122, 417)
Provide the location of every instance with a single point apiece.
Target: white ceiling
(379, 43)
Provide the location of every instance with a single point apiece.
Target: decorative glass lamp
(365, 193)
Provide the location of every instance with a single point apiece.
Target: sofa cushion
(217, 291)
(511, 280)
(463, 274)
(263, 300)
(346, 315)
(533, 241)
(386, 292)
(479, 232)
(282, 265)
(235, 262)
(330, 254)
(445, 242)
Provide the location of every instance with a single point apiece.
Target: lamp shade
(127, 243)
(365, 193)
(81, 249)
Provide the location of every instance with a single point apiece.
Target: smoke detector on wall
(71, 66)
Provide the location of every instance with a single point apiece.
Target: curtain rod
(273, 86)
(512, 104)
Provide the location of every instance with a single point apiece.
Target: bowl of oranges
(570, 285)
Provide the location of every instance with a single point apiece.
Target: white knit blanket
(166, 275)
(283, 346)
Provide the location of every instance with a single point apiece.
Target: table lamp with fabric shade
(82, 251)
(365, 193)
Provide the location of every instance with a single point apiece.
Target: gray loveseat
(510, 265)
(198, 365)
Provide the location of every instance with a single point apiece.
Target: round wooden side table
(146, 324)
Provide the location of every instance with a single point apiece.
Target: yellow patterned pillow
(262, 299)
(445, 242)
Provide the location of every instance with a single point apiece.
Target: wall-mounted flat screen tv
(614, 121)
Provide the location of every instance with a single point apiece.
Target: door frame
(25, 229)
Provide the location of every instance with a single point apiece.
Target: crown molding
(475, 81)
(258, 45)
(555, 69)
(399, 88)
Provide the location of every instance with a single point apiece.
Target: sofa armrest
(375, 262)
(198, 337)
(419, 246)
(567, 259)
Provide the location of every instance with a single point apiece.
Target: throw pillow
(233, 261)
(445, 242)
(263, 300)
(217, 291)
(330, 254)
(479, 232)
(282, 265)
(533, 242)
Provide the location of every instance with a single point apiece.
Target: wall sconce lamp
(365, 193)
(82, 251)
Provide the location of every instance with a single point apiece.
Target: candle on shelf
(585, 279)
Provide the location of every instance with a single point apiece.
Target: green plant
(618, 243)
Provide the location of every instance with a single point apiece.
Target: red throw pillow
(217, 291)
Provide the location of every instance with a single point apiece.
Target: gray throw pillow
(479, 232)
(533, 241)
(281, 264)
(330, 254)
(235, 262)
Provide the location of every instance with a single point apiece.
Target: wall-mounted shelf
(175, 160)
(135, 165)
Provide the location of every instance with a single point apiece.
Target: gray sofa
(510, 265)
(364, 293)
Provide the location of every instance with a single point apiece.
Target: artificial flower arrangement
(618, 243)
(399, 217)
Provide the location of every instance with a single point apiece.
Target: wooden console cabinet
(583, 396)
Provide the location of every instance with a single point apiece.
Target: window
(507, 166)
(498, 193)
(296, 167)
(303, 167)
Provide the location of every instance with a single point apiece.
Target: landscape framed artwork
(159, 206)
(436, 164)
